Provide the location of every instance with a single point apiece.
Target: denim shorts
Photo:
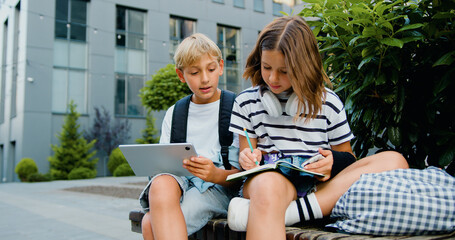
(198, 208)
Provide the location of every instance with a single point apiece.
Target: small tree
(393, 64)
(73, 151)
(25, 168)
(107, 135)
(163, 90)
(148, 134)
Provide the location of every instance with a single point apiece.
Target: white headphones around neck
(273, 106)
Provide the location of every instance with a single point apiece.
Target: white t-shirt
(202, 129)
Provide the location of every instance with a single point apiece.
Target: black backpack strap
(224, 119)
(180, 120)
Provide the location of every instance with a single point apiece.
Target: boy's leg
(198, 208)
(166, 218)
(270, 194)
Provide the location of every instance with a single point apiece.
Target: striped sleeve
(338, 129)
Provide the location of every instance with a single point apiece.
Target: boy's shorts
(198, 208)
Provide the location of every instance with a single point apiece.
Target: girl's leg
(165, 217)
(329, 192)
(270, 194)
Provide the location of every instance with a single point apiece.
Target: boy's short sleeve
(166, 126)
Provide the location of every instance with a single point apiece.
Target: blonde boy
(178, 206)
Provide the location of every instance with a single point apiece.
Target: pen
(249, 143)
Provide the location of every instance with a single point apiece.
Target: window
(179, 29)
(258, 5)
(239, 3)
(70, 56)
(3, 76)
(229, 43)
(218, 1)
(14, 81)
(277, 8)
(130, 61)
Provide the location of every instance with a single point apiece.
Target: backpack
(178, 128)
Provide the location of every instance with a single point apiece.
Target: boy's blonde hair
(192, 48)
(293, 37)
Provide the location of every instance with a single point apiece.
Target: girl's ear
(221, 66)
(180, 75)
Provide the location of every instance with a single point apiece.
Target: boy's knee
(396, 160)
(164, 189)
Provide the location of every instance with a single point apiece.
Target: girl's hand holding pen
(248, 159)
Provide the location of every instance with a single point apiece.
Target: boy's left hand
(323, 166)
(201, 167)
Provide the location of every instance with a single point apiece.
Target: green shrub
(39, 177)
(81, 173)
(392, 62)
(26, 167)
(123, 169)
(115, 159)
(163, 90)
(73, 151)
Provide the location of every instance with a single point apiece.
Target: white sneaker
(238, 214)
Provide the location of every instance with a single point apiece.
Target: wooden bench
(217, 229)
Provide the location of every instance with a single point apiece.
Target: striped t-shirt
(283, 134)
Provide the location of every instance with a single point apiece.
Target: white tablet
(151, 159)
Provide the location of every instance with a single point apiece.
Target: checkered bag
(398, 202)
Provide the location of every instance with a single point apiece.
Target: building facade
(99, 53)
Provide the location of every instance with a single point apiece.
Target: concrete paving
(47, 211)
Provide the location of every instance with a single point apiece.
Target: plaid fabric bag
(398, 202)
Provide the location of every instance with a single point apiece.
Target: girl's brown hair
(293, 37)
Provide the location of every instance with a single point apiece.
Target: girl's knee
(394, 159)
(269, 189)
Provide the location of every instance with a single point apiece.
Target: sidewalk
(47, 211)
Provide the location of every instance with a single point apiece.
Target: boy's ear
(180, 75)
(221, 66)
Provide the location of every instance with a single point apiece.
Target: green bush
(81, 173)
(123, 169)
(26, 167)
(393, 64)
(115, 159)
(163, 90)
(39, 177)
(73, 151)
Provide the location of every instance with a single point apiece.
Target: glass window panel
(60, 53)
(239, 3)
(135, 83)
(136, 61)
(173, 27)
(136, 41)
(61, 10)
(120, 60)
(259, 5)
(61, 30)
(135, 21)
(277, 8)
(59, 87)
(78, 11)
(120, 95)
(78, 32)
(77, 55)
(187, 28)
(120, 40)
(121, 18)
(76, 87)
